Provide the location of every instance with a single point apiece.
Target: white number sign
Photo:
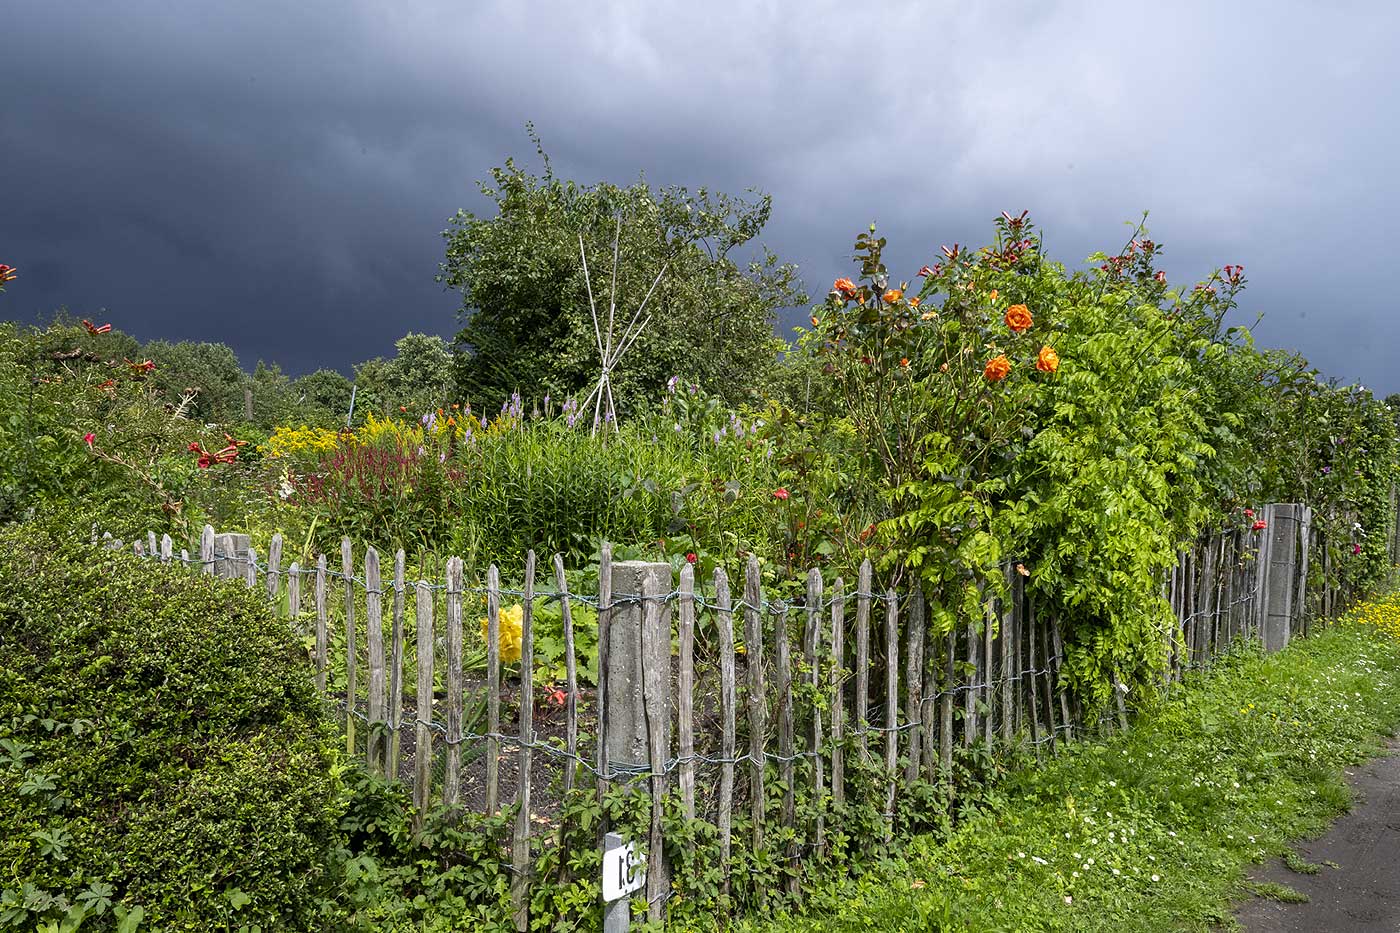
(624, 871)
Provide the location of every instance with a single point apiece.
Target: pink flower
(1355, 549)
(88, 438)
(780, 493)
(1248, 513)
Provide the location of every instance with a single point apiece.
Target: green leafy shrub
(162, 743)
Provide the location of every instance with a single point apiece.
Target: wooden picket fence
(844, 671)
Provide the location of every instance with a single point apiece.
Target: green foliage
(208, 373)
(667, 481)
(525, 304)
(1152, 829)
(61, 383)
(161, 747)
(1087, 425)
(418, 377)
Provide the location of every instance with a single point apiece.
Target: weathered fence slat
(1004, 639)
(786, 750)
(151, 543)
(685, 633)
(891, 706)
(274, 568)
(1059, 682)
(783, 665)
(566, 613)
(811, 644)
(928, 699)
(493, 689)
(945, 704)
(520, 839)
(988, 665)
(656, 681)
(1188, 605)
(756, 701)
(838, 678)
(974, 668)
(206, 549)
(294, 594)
(167, 548)
(724, 622)
(1028, 626)
(374, 635)
(862, 686)
(605, 613)
(322, 625)
(348, 578)
(913, 689)
(423, 728)
(452, 773)
(250, 568)
(396, 651)
(1045, 676)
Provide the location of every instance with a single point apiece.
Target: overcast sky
(277, 175)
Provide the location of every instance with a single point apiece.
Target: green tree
(525, 302)
(418, 376)
(208, 373)
(323, 396)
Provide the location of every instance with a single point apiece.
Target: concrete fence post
(230, 555)
(1280, 575)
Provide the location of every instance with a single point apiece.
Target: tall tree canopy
(525, 302)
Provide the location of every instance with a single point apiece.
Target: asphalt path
(1363, 892)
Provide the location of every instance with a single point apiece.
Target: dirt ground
(1363, 892)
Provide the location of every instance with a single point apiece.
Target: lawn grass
(1151, 829)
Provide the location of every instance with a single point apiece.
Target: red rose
(1260, 525)
(691, 558)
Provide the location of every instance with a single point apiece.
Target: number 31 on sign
(624, 871)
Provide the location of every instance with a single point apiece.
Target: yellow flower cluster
(443, 426)
(1383, 613)
(510, 632)
(299, 441)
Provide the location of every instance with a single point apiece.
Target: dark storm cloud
(276, 176)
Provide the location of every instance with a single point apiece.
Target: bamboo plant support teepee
(612, 345)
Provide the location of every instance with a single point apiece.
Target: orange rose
(1018, 318)
(1048, 361)
(893, 295)
(994, 294)
(913, 302)
(997, 368)
(845, 288)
